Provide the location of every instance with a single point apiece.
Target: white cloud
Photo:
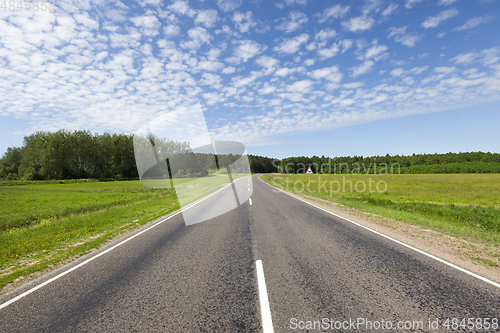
(302, 87)
(182, 7)
(244, 21)
(390, 9)
(400, 36)
(357, 24)
(295, 22)
(473, 22)
(419, 70)
(325, 34)
(375, 51)
(267, 89)
(491, 56)
(229, 5)
(445, 69)
(329, 73)
(397, 72)
(311, 46)
(465, 58)
(364, 68)
(309, 62)
(434, 21)
(408, 80)
(409, 39)
(346, 45)
(244, 50)
(445, 2)
(172, 30)
(409, 3)
(291, 45)
(353, 85)
(198, 37)
(212, 97)
(290, 3)
(267, 61)
(212, 80)
(208, 65)
(393, 31)
(336, 11)
(329, 52)
(242, 81)
(347, 102)
(488, 57)
(207, 17)
(125, 40)
(371, 6)
(282, 72)
(86, 20)
(145, 3)
(148, 25)
(228, 70)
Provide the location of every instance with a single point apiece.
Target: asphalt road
(202, 278)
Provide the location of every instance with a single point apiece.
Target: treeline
(261, 164)
(82, 154)
(70, 155)
(468, 162)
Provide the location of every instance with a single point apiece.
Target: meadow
(46, 222)
(465, 205)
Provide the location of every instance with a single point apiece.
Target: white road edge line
(397, 241)
(26, 293)
(267, 320)
(250, 201)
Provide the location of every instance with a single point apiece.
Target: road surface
(203, 278)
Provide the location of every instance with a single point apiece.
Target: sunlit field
(43, 223)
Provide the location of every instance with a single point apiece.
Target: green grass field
(466, 205)
(45, 223)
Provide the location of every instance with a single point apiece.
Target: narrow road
(203, 278)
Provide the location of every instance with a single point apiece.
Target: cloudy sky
(372, 77)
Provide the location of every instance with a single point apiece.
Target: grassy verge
(462, 205)
(43, 224)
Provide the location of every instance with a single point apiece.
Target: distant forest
(82, 154)
(473, 162)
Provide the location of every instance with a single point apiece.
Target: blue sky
(296, 77)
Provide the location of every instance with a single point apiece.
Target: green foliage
(81, 154)
(260, 164)
(9, 164)
(71, 155)
(473, 162)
